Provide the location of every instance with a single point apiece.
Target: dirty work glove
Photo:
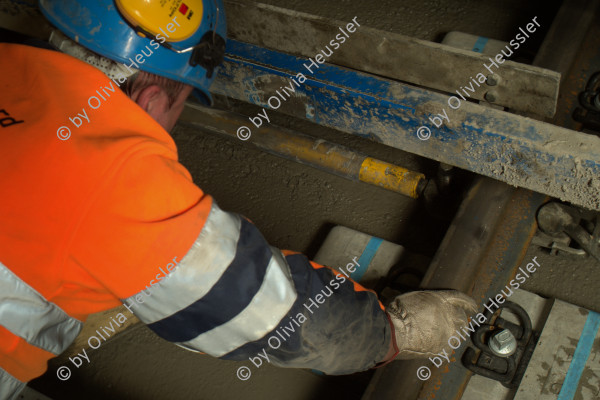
(424, 320)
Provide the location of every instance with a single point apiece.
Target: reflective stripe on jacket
(27, 316)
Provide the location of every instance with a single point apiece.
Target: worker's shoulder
(57, 100)
(70, 124)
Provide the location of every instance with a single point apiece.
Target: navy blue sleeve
(330, 327)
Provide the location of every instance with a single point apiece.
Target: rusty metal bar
(482, 250)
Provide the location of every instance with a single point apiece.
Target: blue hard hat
(178, 39)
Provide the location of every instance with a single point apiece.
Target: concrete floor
(295, 206)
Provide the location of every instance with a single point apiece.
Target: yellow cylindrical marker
(392, 177)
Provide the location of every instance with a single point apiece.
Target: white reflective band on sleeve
(210, 256)
(10, 387)
(274, 299)
(27, 314)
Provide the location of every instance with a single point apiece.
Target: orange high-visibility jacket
(110, 216)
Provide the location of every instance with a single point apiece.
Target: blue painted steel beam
(511, 148)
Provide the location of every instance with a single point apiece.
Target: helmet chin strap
(111, 68)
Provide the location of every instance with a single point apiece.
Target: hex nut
(503, 343)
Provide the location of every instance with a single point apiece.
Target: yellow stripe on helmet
(157, 17)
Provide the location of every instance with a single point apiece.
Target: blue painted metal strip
(365, 258)
(480, 44)
(342, 78)
(582, 352)
(375, 92)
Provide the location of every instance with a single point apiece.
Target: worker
(96, 211)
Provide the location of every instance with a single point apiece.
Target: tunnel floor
(295, 206)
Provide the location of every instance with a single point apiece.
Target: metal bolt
(493, 80)
(491, 96)
(503, 343)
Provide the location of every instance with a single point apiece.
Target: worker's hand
(424, 321)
